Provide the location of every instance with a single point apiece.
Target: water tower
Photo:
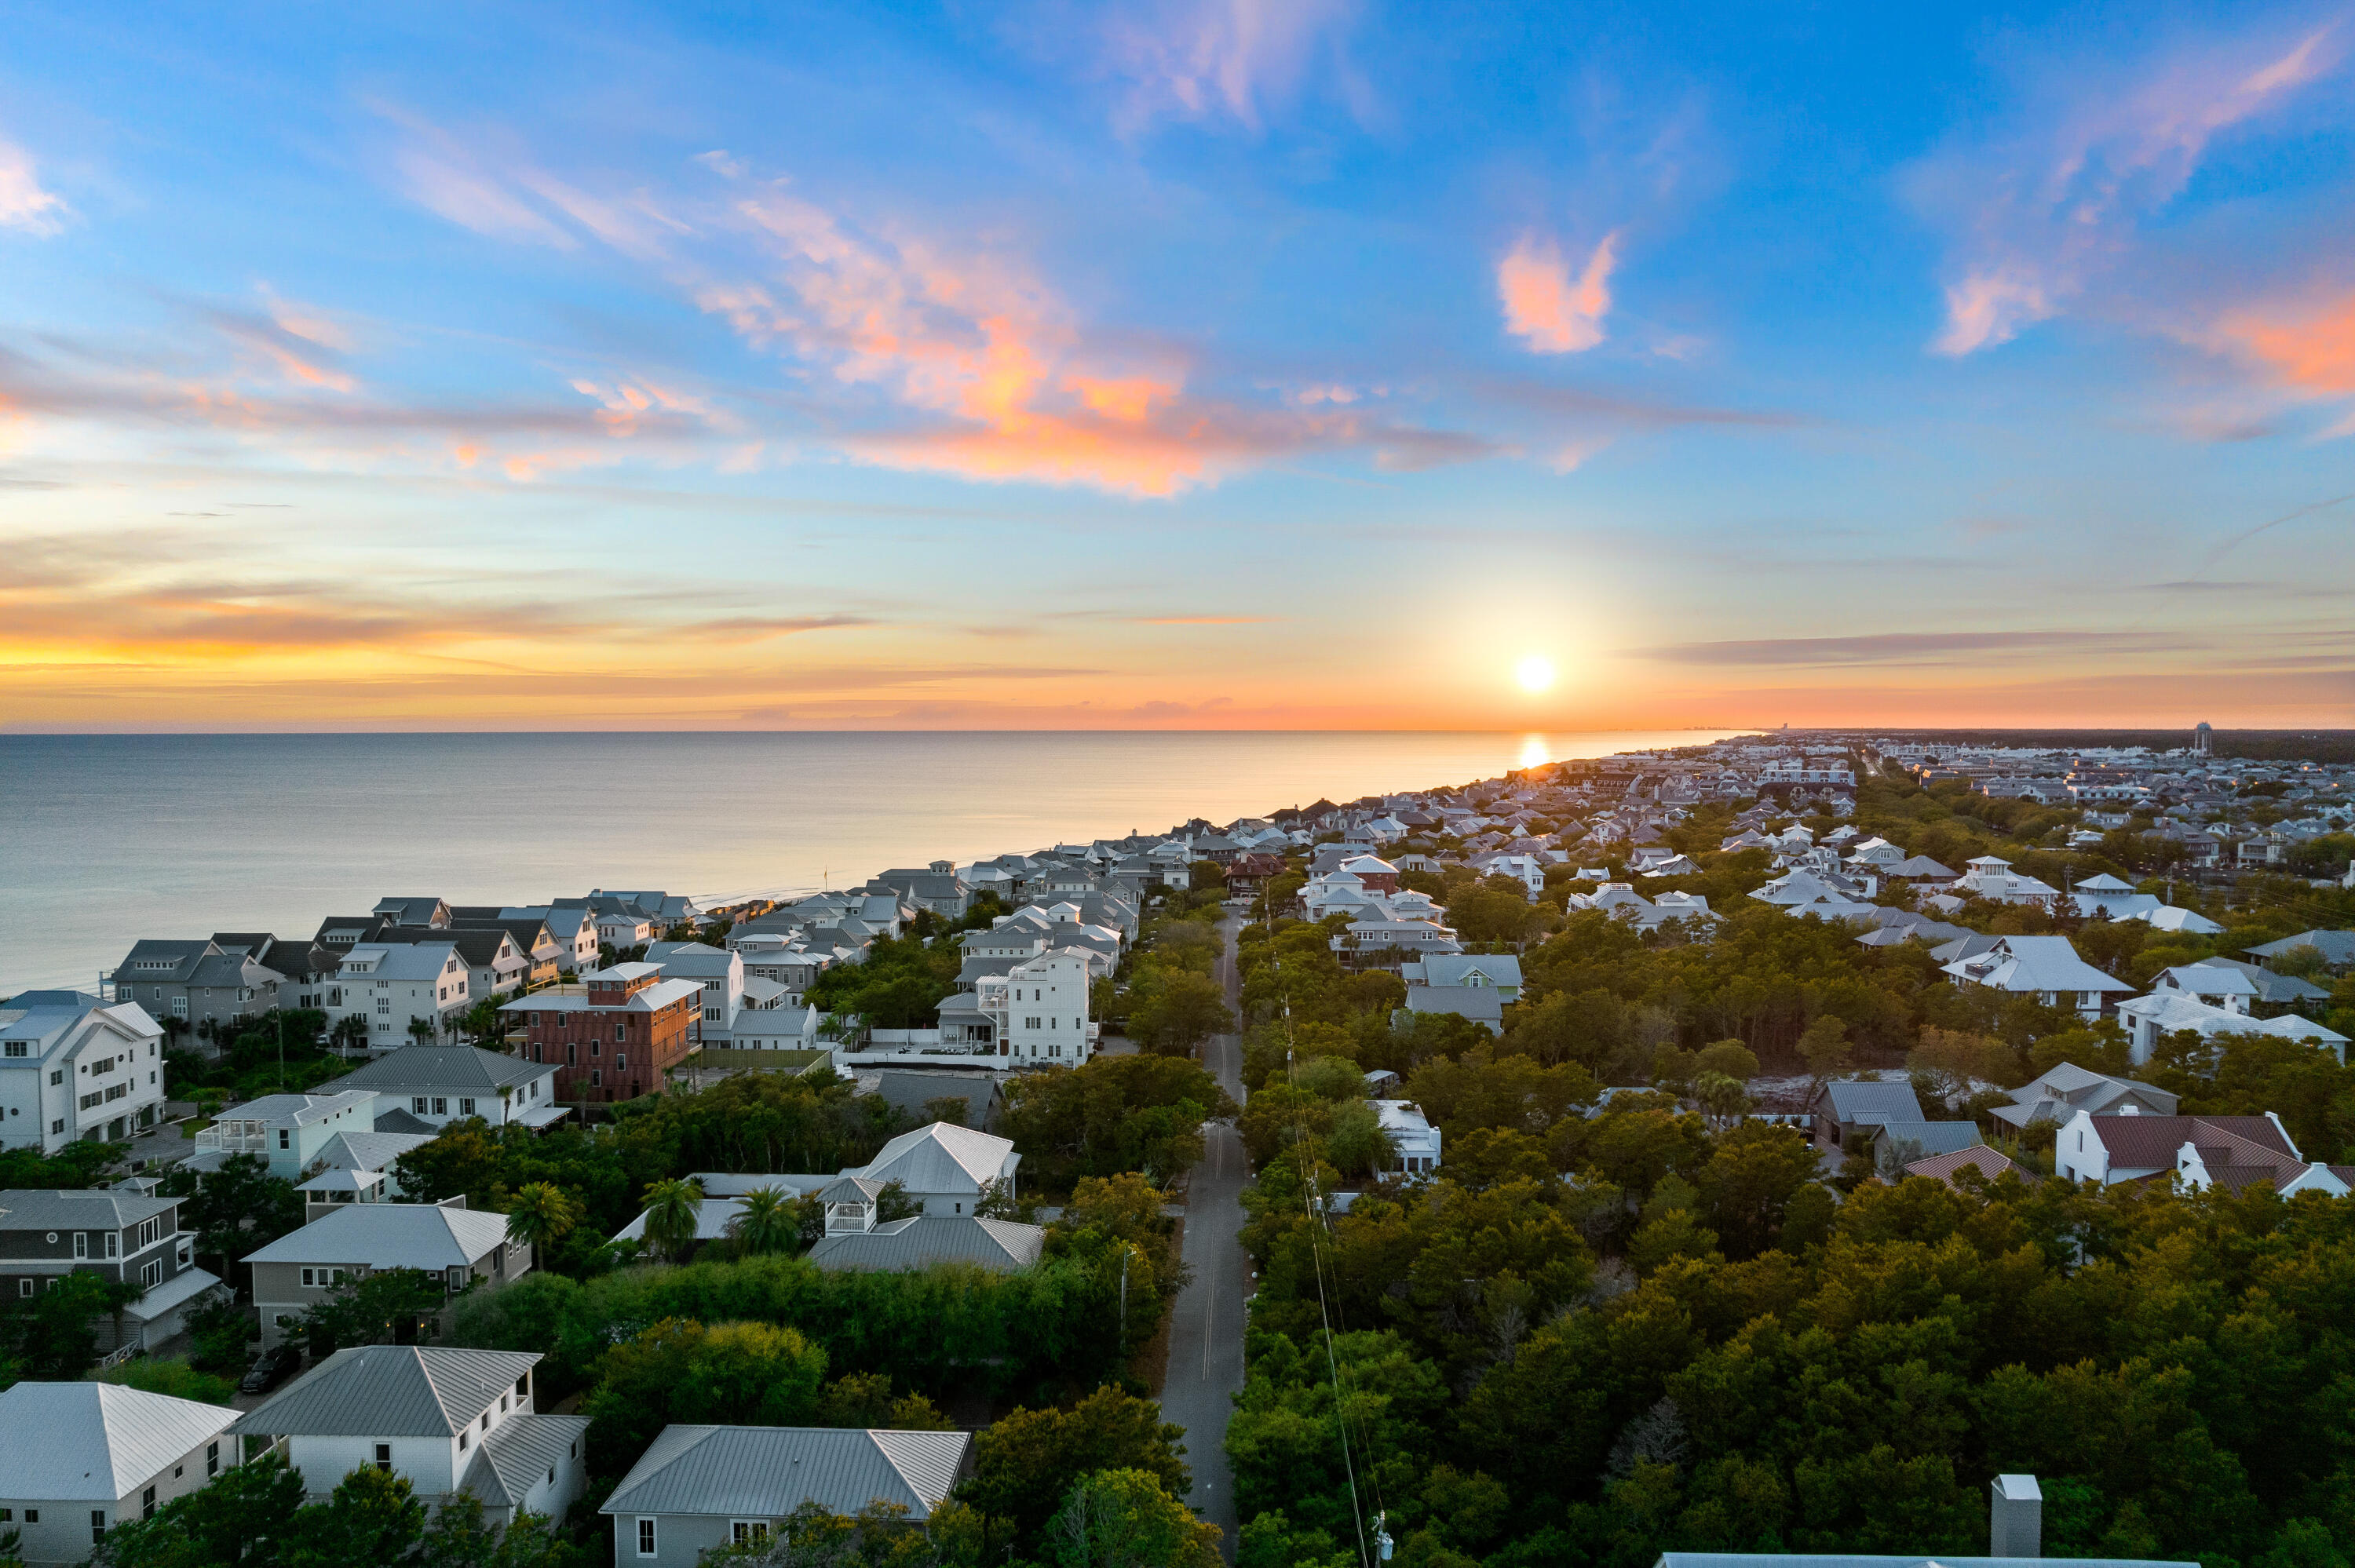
(2203, 740)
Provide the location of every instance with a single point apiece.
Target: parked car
(274, 1367)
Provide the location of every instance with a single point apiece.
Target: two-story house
(302, 1268)
(287, 1132)
(74, 1068)
(391, 985)
(77, 1459)
(441, 1084)
(219, 980)
(720, 972)
(2045, 968)
(494, 965)
(544, 956)
(46, 1234)
(445, 1421)
(615, 1034)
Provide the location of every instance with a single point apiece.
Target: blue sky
(1178, 363)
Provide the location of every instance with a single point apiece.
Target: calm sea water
(106, 839)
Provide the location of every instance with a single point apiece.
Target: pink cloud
(2306, 350)
(22, 203)
(2043, 210)
(1545, 306)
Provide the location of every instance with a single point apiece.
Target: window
(57, 1076)
(152, 1274)
(645, 1538)
(466, 1108)
(459, 1274)
(97, 1525)
(16, 1047)
(23, 1288)
(486, 1421)
(462, 1442)
(619, 1060)
(56, 1124)
(383, 1456)
(81, 1243)
(113, 1243)
(418, 1104)
(212, 1459)
(147, 1503)
(749, 1530)
(596, 1077)
(284, 1139)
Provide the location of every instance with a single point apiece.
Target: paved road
(1206, 1331)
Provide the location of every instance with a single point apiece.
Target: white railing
(217, 1137)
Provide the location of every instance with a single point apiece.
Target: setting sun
(1535, 673)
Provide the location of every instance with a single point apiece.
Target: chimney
(2015, 1517)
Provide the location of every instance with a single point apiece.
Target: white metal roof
(95, 1441)
(390, 1235)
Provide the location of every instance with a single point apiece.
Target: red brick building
(614, 1036)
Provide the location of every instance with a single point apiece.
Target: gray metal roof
(390, 1390)
(940, 1158)
(518, 1454)
(95, 1441)
(370, 1151)
(1865, 1102)
(390, 1235)
(453, 1068)
(80, 1209)
(766, 1472)
(1934, 1137)
(1000, 1246)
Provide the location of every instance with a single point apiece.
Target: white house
(1991, 877)
(1414, 1143)
(2046, 968)
(446, 1420)
(441, 1084)
(74, 1068)
(2150, 1019)
(391, 984)
(1046, 1016)
(77, 1459)
(2198, 1150)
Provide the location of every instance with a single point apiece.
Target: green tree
(1125, 1518)
(54, 1335)
(756, 1374)
(673, 1209)
(244, 1517)
(388, 1306)
(168, 1376)
(766, 1221)
(1027, 1460)
(1180, 1012)
(372, 1519)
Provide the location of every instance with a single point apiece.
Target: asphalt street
(1206, 1330)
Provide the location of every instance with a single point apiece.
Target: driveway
(1205, 1329)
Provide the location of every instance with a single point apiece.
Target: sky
(1196, 363)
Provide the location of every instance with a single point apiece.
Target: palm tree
(672, 1210)
(542, 1213)
(765, 1221)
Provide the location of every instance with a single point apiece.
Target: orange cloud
(2311, 351)
(1545, 306)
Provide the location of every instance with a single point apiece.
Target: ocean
(108, 839)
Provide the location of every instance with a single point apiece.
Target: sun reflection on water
(1535, 751)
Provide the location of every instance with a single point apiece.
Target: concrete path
(1206, 1330)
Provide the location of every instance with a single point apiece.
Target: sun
(1534, 673)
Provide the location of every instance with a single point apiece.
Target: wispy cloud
(2041, 208)
(1912, 647)
(23, 204)
(1545, 306)
(1233, 60)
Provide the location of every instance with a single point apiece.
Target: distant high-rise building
(2203, 740)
